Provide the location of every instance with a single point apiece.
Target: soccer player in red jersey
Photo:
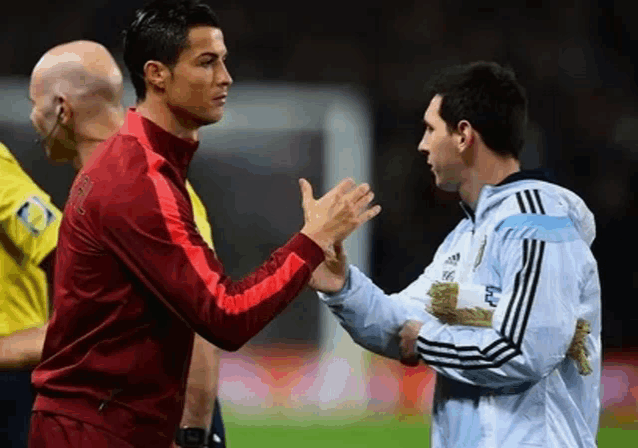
(134, 278)
(82, 79)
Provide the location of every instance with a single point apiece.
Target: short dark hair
(489, 97)
(159, 32)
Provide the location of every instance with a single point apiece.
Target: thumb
(306, 191)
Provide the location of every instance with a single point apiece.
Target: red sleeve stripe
(248, 295)
(256, 294)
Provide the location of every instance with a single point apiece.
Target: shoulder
(120, 168)
(11, 170)
(537, 210)
(5, 155)
(20, 194)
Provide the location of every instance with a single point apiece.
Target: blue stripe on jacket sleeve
(553, 229)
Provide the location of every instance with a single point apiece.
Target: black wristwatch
(192, 437)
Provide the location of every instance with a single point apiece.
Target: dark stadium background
(577, 60)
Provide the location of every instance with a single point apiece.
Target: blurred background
(577, 60)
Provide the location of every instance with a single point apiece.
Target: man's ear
(63, 109)
(156, 74)
(464, 135)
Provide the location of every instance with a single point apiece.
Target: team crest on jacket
(35, 215)
(481, 251)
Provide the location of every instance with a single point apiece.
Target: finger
(340, 189)
(362, 218)
(368, 214)
(363, 202)
(306, 191)
(358, 193)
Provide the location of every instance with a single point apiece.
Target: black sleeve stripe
(482, 353)
(486, 355)
(517, 283)
(485, 359)
(524, 305)
(463, 348)
(525, 302)
(521, 299)
(538, 200)
(532, 294)
(519, 198)
(517, 301)
(458, 364)
(528, 195)
(494, 345)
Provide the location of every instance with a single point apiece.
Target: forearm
(22, 349)
(371, 317)
(202, 385)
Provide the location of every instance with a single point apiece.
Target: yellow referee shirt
(29, 225)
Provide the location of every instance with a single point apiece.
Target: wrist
(344, 281)
(191, 437)
(319, 239)
(339, 289)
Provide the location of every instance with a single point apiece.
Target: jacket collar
(535, 174)
(177, 151)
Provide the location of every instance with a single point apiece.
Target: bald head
(77, 69)
(76, 90)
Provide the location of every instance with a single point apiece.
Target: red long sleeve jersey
(134, 278)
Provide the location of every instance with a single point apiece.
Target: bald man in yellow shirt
(76, 92)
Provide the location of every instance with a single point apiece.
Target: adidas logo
(453, 260)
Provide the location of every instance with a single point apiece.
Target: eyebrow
(427, 123)
(214, 55)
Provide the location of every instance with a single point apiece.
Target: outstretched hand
(335, 215)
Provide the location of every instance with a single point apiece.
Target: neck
(157, 111)
(488, 169)
(95, 132)
(84, 151)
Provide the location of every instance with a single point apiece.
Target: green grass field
(384, 431)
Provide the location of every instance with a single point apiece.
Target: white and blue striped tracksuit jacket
(526, 253)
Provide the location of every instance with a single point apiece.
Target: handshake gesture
(329, 220)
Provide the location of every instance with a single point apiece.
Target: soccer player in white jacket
(519, 363)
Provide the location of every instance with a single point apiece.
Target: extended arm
(372, 318)
(545, 268)
(189, 279)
